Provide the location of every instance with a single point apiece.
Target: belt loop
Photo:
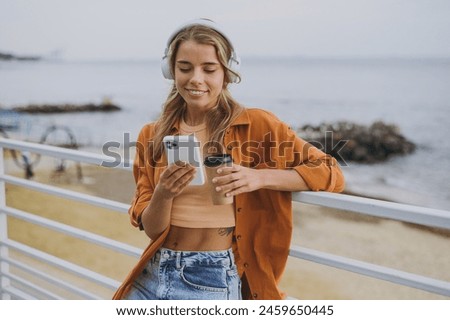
(158, 252)
(178, 260)
(231, 256)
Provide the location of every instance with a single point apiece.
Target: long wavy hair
(218, 118)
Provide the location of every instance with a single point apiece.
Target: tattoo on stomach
(225, 231)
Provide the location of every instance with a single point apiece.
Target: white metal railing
(13, 285)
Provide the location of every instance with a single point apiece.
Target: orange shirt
(256, 139)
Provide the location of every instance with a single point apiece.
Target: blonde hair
(218, 118)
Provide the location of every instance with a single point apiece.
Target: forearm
(281, 180)
(156, 216)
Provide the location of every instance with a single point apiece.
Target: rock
(8, 56)
(63, 108)
(352, 142)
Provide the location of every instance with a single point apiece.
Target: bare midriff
(199, 239)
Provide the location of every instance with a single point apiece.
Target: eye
(210, 70)
(184, 70)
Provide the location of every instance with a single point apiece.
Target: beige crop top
(193, 208)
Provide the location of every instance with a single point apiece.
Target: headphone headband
(233, 63)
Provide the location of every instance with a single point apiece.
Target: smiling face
(199, 76)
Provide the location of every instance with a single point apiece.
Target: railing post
(4, 266)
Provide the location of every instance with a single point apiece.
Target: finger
(228, 170)
(221, 181)
(181, 172)
(170, 169)
(179, 165)
(186, 180)
(180, 178)
(230, 186)
(171, 176)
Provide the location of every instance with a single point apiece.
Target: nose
(197, 76)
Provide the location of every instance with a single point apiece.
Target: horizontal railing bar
(374, 271)
(52, 280)
(378, 208)
(64, 153)
(60, 263)
(75, 232)
(67, 194)
(32, 286)
(15, 292)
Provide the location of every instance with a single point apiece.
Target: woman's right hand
(174, 179)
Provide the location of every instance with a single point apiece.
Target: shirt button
(166, 256)
(246, 265)
(239, 209)
(255, 295)
(229, 147)
(239, 237)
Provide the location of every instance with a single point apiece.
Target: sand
(385, 242)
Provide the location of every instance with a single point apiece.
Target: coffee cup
(212, 164)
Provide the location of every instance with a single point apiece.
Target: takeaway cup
(212, 164)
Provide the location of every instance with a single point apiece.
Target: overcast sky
(138, 29)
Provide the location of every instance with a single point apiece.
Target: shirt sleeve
(144, 187)
(320, 171)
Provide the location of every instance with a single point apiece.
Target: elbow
(153, 233)
(339, 182)
(340, 186)
(150, 230)
(153, 229)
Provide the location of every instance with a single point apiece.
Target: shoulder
(254, 116)
(261, 118)
(260, 114)
(260, 123)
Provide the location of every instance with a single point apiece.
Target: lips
(196, 92)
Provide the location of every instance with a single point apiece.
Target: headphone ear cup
(234, 65)
(165, 68)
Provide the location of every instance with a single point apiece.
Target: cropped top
(193, 208)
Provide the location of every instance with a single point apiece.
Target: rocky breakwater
(64, 108)
(352, 142)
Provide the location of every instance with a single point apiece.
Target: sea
(413, 94)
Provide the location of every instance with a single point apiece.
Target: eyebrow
(205, 63)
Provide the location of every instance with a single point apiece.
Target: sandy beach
(388, 243)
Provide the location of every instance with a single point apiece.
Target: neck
(194, 119)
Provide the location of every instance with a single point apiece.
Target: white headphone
(233, 63)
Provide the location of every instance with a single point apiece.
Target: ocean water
(412, 94)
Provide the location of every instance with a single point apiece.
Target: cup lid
(216, 160)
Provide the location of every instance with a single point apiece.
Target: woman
(202, 251)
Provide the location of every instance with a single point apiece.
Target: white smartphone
(187, 149)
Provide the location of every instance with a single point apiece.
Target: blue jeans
(188, 275)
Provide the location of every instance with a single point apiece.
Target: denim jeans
(188, 275)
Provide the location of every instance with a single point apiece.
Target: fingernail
(218, 189)
(214, 180)
(219, 170)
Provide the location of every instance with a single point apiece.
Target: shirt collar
(242, 119)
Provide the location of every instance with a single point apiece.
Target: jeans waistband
(179, 258)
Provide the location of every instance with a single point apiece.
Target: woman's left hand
(237, 179)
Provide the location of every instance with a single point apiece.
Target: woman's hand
(174, 179)
(237, 179)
